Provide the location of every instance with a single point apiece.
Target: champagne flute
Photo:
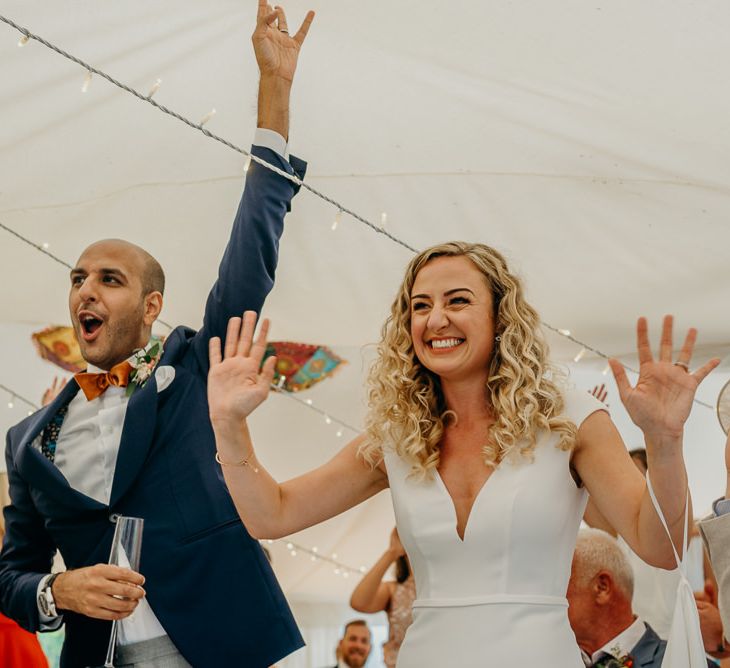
(126, 551)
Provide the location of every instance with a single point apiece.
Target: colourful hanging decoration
(301, 365)
(58, 344)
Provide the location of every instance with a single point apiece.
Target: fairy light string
(316, 556)
(27, 35)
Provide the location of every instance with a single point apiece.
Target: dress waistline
(490, 599)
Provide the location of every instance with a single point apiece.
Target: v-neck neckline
(467, 523)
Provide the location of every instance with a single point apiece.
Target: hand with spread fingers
(237, 383)
(276, 51)
(661, 401)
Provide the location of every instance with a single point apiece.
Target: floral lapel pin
(143, 364)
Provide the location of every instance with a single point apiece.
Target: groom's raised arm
(246, 273)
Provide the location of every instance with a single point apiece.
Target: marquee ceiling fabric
(588, 141)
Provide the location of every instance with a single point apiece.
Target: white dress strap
(681, 561)
(685, 646)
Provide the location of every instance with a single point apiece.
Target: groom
(137, 441)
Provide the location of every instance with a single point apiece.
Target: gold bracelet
(243, 462)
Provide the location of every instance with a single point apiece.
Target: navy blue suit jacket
(207, 580)
(649, 651)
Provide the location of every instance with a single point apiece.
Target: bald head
(115, 297)
(148, 268)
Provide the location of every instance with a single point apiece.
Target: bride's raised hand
(237, 383)
(661, 401)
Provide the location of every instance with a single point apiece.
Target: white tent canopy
(588, 141)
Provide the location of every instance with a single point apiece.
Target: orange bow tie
(95, 384)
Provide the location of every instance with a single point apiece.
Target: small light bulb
(337, 220)
(334, 555)
(606, 370)
(580, 355)
(87, 81)
(155, 88)
(383, 219)
(293, 553)
(564, 332)
(23, 40)
(247, 166)
(337, 571)
(207, 117)
(308, 402)
(327, 419)
(289, 546)
(339, 433)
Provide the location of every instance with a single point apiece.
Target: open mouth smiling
(445, 344)
(91, 324)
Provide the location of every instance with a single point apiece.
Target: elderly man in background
(601, 585)
(716, 533)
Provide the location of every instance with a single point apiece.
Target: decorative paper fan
(301, 365)
(59, 345)
(723, 407)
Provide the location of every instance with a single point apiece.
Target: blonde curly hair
(407, 410)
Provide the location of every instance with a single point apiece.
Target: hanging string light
(27, 35)
(337, 220)
(207, 117)
(87, 81)
(154, 89)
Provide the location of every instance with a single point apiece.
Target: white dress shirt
(86, 455)
(620, 646)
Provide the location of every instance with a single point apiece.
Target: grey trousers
(155, 653)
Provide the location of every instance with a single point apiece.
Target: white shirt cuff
(272, 140)
(47, 623)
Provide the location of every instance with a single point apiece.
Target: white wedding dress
(497, 598)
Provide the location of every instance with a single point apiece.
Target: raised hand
(600, 392)
(236, 382)
(53, 391)
(396, 547)
(661, 401)
(276, 51)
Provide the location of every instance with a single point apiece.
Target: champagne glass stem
(109, 663)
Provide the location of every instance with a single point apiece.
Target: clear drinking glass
(126, 551)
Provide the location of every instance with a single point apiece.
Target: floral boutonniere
(623, 660)
(143, 364)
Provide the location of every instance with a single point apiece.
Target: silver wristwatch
(46, 602)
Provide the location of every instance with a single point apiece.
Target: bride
(488, 454)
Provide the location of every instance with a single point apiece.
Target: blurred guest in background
(395, 597)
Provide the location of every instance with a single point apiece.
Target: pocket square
(164, 375)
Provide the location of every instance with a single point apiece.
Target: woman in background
(395, 597)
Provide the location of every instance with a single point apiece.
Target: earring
(498, 338)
